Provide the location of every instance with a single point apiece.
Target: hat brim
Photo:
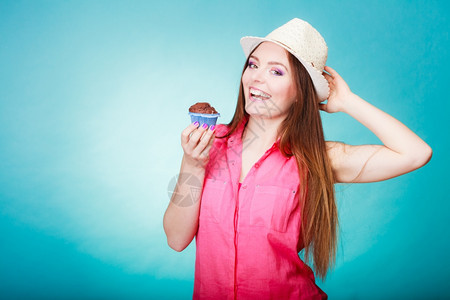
(249, 43)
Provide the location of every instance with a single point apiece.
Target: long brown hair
(301, 135)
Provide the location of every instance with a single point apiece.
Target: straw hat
(305, 43)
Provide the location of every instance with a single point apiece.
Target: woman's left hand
(339, 92)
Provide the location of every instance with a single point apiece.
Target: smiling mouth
(259, 95)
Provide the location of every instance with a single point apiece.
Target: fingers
(205, 141)
(194, 140)
(205, 152)
(185, 135)
(327, 77)
(330, 76)
(331, 71)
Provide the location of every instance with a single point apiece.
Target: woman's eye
(276, 72)
(251, 65)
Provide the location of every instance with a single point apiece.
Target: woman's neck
(260, 133)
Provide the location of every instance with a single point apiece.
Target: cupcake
(203, 112)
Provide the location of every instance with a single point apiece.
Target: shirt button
(257, 165)
(244, 186)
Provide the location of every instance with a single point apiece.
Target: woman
(268, 177)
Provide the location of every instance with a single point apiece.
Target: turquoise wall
(93, 99)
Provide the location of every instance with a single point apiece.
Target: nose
(258, 75)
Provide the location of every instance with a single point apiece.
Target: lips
(258, 94)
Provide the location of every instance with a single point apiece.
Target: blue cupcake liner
(209, 119)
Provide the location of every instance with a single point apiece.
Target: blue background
(93, 99)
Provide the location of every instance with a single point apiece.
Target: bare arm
(402, 150)
(181, 217)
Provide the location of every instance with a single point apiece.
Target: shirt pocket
(272, 206)
(212, 200)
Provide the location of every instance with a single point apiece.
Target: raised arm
(402, 150)
(181, 217)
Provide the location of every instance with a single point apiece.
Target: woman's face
(268, 83)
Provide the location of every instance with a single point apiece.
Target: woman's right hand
(196, 142)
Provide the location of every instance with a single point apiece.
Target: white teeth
(259, 93)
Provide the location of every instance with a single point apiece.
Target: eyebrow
(270, 62)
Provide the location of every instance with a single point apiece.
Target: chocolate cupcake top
(202, 108)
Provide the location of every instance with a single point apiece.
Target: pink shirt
(247, 241)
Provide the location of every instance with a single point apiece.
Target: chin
(257, 113)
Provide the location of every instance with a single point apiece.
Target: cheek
(285, 91)
(245, 78)
(292, 93)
